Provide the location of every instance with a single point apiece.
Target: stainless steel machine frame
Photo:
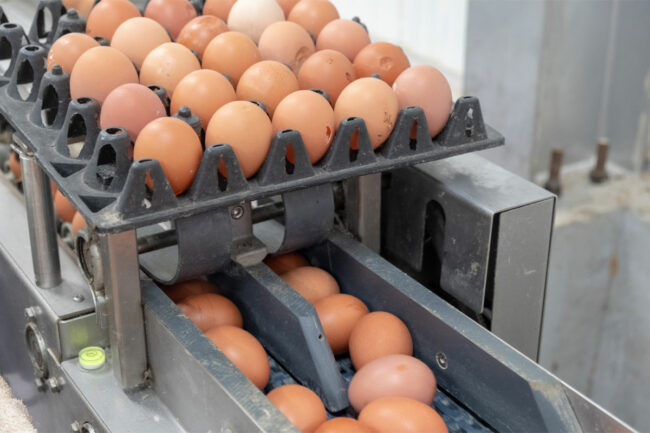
(163, 374)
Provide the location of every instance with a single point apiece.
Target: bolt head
(30, 313)
(441, 360)
(237, 212)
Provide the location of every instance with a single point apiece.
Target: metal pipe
(41, 222)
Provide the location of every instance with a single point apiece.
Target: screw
(32, 312)
(237, 212)
(553, 183)
(78, 298)
(441, 359)
(87, 428)
(599, 173)
(54, 384)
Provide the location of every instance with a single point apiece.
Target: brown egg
(82, 7)
(78, 223)
(327, 70)
(287, 43)
(175, 145)
(146, 31)
(100, 70)
(209, 310)
(338, 314)
(300, 405)
(246, 128)
(343, 425)
(204, 91)
(251, 17)
(372, 100)
(399, 414)
(107, 16)
(392, 376)
(426, 87)
(171, 14)
(63, 208)
(167, 65)
(67, 49)
(313, 15)
(287, 5)
(310, 114)
(285, 262)
(267, 81)
(14, 166)
(382, 58)
(231, 53)
(197, 34)
(179, 291)
(218, 8)
(346, 36)
(376, 335)
(311, 283)
(132, 107)
(244, 351)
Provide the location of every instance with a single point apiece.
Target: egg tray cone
(110, 191)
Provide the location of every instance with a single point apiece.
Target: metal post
(363, 209)
(125, 318)
(41, 222)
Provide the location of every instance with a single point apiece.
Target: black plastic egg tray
(112, 192)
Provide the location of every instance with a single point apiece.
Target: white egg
(251, 17)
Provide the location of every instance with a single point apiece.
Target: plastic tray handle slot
(277, 168)
(402, 140)
(70, 22)
(28, 70)
(146, 190)
(53, 99)
(465, 124)
(218, 174)
(45, 21)
(109, 166)
(80, 121)
(12, 37)
(341, 153)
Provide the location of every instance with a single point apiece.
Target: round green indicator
(92, 357)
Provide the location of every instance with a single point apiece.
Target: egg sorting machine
(459, 231)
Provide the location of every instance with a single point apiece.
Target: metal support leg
(41, 222)
(363, 209)
(125, 318)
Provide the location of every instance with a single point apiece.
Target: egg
(218, 8)
(376, 335)
(197, 34)
(382, 58)
(300, 405)
(100, 70)
(287, 43)
(244, 351)
(63, 208)
(425, 87)
(246, 128)
(132, 107)
(204, 92)
(313, 15)
(346, 36)
(338, 314)
(107, 16)
(78, 223)
(171, 14)
(209, 310)
(251, 17)
(392, 376)
(310, 114)
(231, 53)
(311, 283)
(267, 81)
(14, 166)
(179, 291)
(327, 70)
(82, 7)
(167, 65)
(285, 262)
(287, 5)
(404, 415)
(67, 49)
(373, 101)
(175, 145)
(343, 425)
(146, 31)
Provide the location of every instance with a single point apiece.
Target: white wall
(430, 31)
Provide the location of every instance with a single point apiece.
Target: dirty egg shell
(327, 70)
(382, 58)
(287, 43)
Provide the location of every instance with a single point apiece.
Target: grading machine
(423, 228)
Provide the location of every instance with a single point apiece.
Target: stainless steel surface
(247, 249)
(40, 218)
(125, 319)
(363, 209)
(205, 391)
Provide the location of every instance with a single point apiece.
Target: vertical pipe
(41, 222)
